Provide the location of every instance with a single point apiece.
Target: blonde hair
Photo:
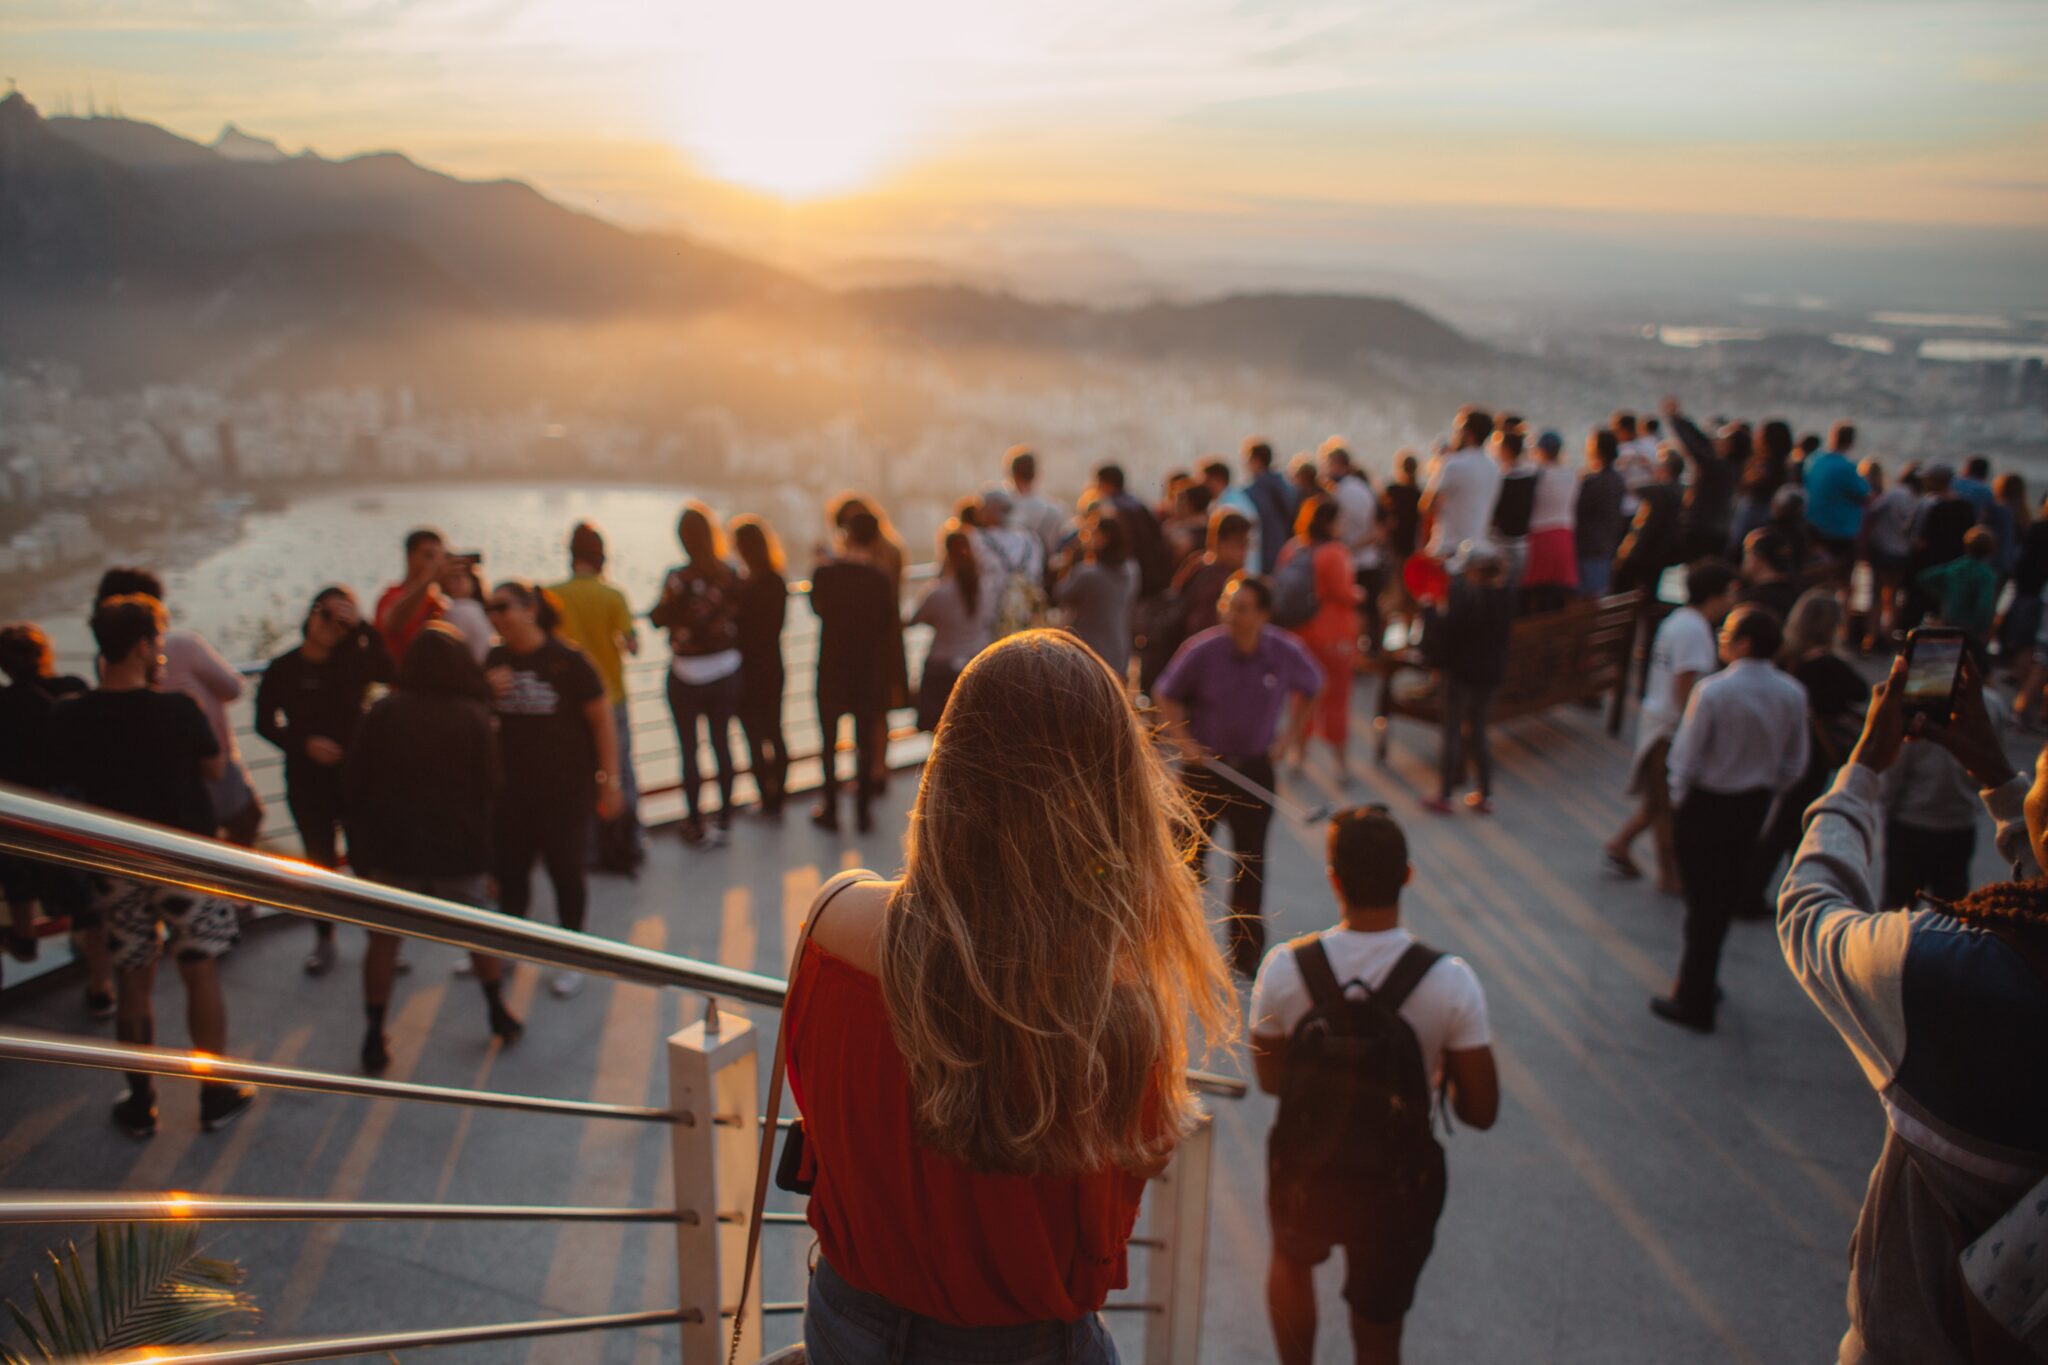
(1047, 946)
(1814, 621)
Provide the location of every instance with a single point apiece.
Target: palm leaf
(152, 1288)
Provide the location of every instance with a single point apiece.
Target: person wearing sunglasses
(560, 755)
(309, 705)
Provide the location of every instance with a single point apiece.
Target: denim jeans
(844, 1326)
(716, 703)
(629, 784)
(629, 780)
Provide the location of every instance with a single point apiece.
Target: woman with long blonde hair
(990, 1053)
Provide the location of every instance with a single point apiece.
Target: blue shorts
(847, 1326)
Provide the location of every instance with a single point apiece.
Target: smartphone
(472, 558)
(1934, 667)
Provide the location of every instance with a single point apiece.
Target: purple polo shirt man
(1225, 697)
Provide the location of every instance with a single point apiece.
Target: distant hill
(139, 253)
(1322, 334)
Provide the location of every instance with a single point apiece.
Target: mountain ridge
(105, 216)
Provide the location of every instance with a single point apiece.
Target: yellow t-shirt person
(595, 616)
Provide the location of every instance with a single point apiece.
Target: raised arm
(1973, 741)
(1698, 448)
(1848, 956)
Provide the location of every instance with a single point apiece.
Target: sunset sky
(857, 117)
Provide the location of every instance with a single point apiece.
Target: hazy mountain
(512, 246)
(236, 145)
(139, 253)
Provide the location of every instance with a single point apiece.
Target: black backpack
(1355, 1108)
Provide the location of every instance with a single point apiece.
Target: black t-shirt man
(139, 753)
(543, 731)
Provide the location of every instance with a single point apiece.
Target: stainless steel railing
(37, 825)
(713, 1088)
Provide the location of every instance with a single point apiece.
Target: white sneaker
(465, 965)
(565, 984)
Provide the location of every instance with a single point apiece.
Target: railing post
(712, 1078)
(1180, 1222)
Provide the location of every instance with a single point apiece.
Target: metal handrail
(176, 1206)
(36, 825)
(162, 1061)
(383, 1343)
(40, 826)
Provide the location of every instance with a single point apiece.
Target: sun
(798, 125)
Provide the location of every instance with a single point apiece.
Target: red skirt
(1553, 560)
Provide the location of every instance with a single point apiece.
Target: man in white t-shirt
(1458, 503)
(1031, 510)
(1446, 1011)
(1683, 652)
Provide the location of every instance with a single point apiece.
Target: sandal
(1615, 865)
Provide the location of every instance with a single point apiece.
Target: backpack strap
(1408, 972)
(1316, 973)
(1414, 964)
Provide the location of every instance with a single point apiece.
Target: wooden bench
(1581, 653)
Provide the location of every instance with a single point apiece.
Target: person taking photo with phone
(1945, 1006)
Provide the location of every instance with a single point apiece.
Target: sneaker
(376, 1056)
(692, 831)
(135, 1114)
(465, 965)
(99, 1004)
(320, 961)
(718, 836)
(1436, 805)
(562, 985)
(221, 1105)
(1478, 803)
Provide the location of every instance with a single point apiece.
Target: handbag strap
(826, 895)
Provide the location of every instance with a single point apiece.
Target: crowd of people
(1022, 997)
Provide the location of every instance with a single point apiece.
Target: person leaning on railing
(989, 1053)
(1946, 1007)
